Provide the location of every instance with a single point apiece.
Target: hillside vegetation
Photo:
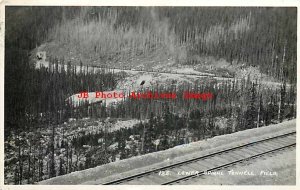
(264, 37)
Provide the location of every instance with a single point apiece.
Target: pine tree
(251, 113)
(260, 111)
(281, 108)
(61, 170)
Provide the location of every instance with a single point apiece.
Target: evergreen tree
(251, 113)
(281, 108)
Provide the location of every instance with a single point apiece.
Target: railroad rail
(210, 162)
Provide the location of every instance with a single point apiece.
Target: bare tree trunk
(279, 108)
(281, 79)
(29, 165)
(20, 165)
(67, 164)
(71, 161)
(258, 113)
(33, 173)
(272, 68)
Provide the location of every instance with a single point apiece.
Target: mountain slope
(151, 36)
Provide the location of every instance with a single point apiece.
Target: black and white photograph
(150, 95)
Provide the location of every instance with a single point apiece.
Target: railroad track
(210, 162)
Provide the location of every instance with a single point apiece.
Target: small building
(41, 55)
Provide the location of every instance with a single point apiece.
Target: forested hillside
(264, 37)
(45, 136)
